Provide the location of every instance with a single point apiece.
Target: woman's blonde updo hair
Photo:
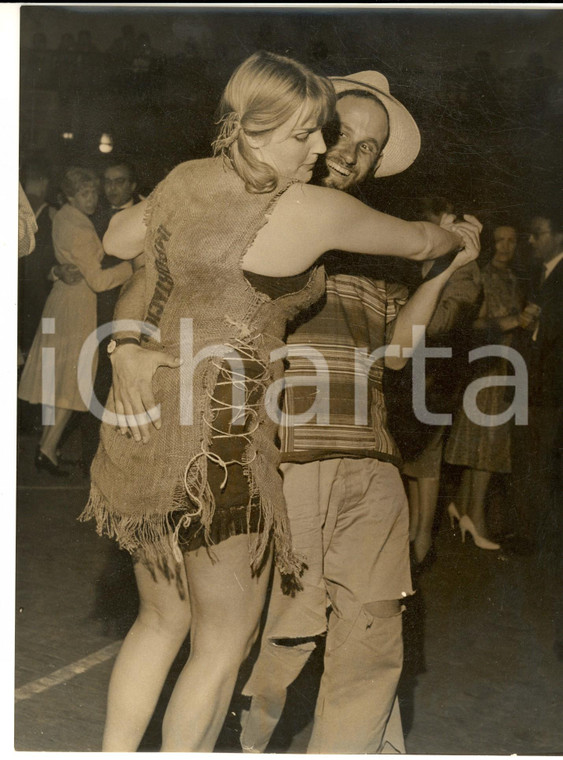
(262, 94)
(75, 178)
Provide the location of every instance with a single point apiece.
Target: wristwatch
(115, 342)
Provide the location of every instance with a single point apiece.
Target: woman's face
(85, 199)
(293, 148)
(505, 244)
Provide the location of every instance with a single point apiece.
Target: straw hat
(403, 144)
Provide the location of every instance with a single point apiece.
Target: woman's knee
(162, 605)
(171, 620)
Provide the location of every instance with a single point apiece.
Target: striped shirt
(341, 385)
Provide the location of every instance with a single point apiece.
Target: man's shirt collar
(550, 265)
(129, 203)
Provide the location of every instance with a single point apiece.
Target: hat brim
(403, 145)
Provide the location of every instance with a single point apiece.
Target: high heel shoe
(453, 514)
(466, 526)
(42, 462)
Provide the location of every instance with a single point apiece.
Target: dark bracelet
(441, 264)
(115, 342)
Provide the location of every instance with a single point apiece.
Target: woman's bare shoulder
(300, 228)
(316, 195)
(308, 204)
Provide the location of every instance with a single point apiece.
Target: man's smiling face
(363, 127)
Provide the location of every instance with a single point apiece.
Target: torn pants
(349, 518)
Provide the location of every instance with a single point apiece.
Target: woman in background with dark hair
(481, 450)
(69, 315)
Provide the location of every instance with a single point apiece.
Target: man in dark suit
(120, 184)
(546, 239)
(34, 284)
(545, 474)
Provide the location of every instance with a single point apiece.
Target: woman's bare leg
(226, 602)
(476, 506)
(51, 434)
(464, 492)
(145, 659)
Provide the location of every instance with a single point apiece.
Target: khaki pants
(349, 518)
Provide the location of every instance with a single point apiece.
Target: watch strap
(116, 342)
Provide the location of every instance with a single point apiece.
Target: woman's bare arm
(350, 225)
(309, 220)
(125, 236)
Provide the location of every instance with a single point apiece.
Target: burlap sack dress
(200, 222)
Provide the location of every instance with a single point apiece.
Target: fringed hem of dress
(153, 539)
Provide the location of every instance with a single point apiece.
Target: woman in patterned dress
(481, 450)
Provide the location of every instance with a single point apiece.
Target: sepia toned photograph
(289, 472)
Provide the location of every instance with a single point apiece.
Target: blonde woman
(69, 315)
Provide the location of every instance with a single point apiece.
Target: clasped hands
(469, 230)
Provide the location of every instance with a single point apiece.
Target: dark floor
(481, 676)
